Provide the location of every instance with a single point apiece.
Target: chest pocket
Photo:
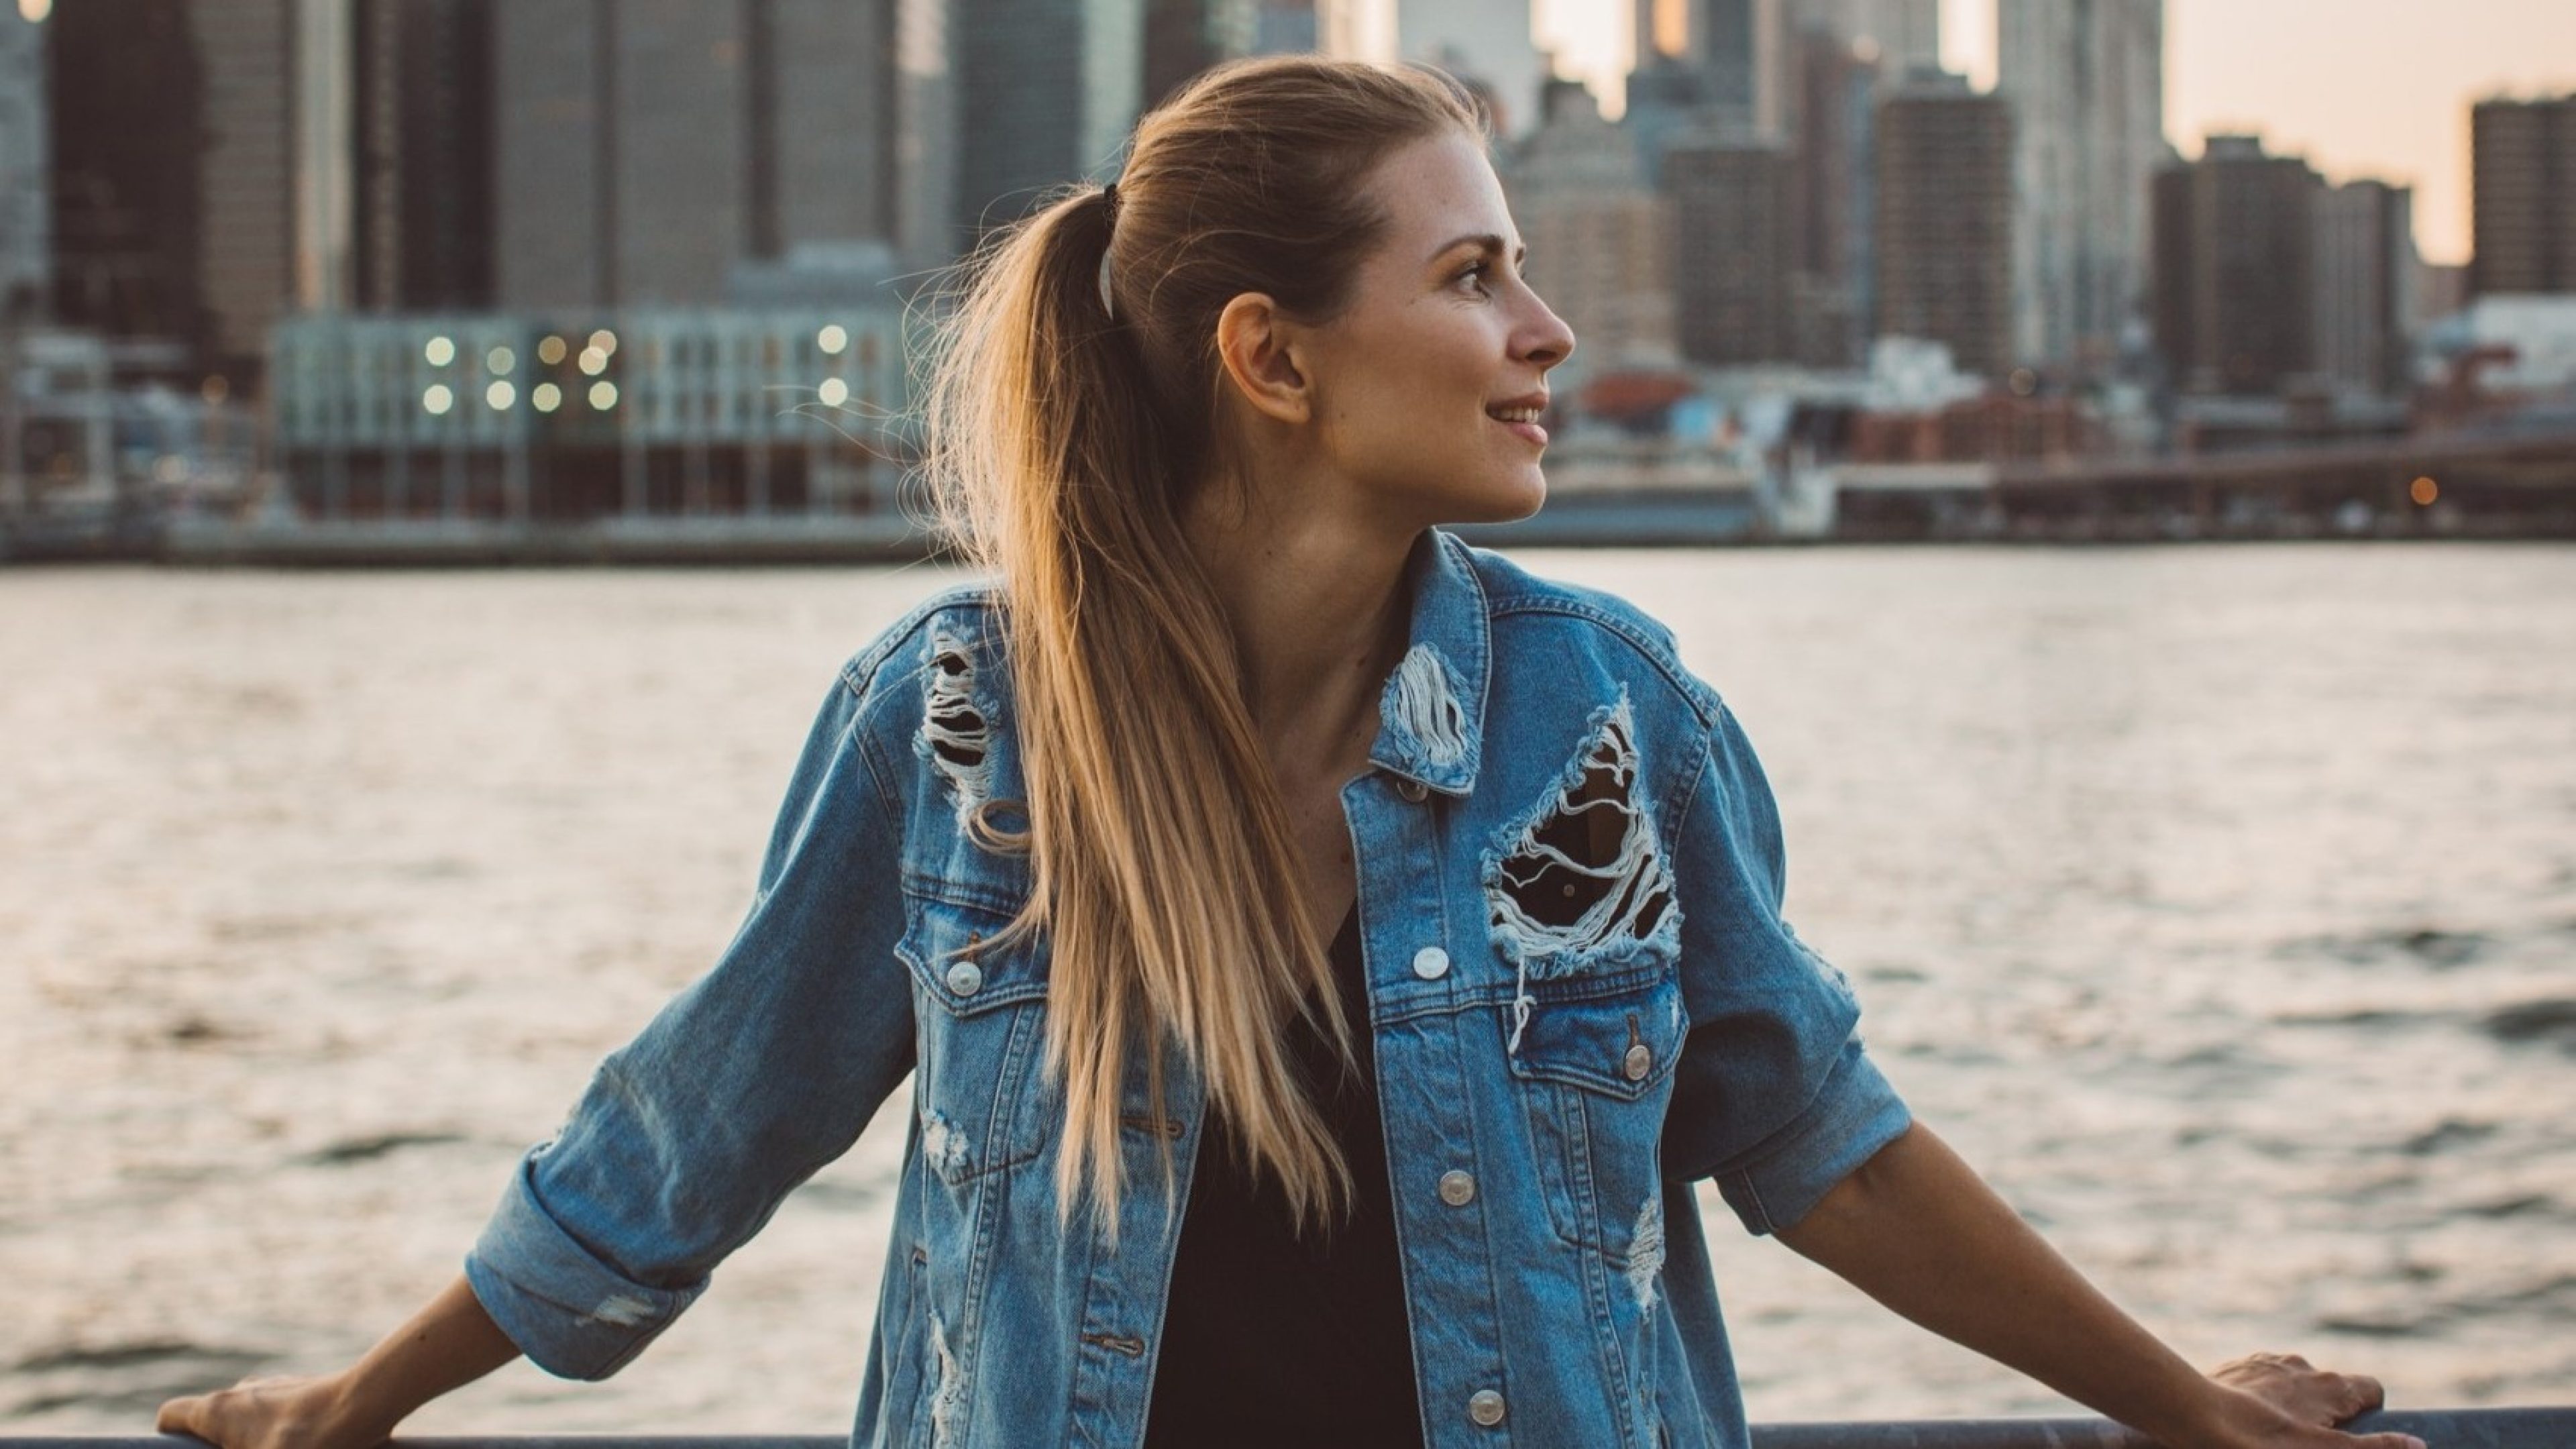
(1596, 1068)
(982, 1014)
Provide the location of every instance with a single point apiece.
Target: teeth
(1517, 415)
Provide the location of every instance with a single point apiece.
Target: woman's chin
(1501, 504)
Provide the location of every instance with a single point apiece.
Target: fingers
(2370, 1393)
(2387, 1441)
(184, 1416)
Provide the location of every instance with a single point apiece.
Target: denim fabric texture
(1583, 999)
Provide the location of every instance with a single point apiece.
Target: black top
(1270, 1339)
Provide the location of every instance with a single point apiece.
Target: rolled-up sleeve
(1773, 1096)
(756, 1075)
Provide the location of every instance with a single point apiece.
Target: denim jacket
(1582, 999)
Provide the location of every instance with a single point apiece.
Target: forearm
(1918, 1230)
(448, 1344)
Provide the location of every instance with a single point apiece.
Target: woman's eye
(1477, 271)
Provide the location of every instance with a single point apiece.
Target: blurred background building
(2236, 237)
(2086, 82)
(1945, 220)
(26, 195)
(2523, 168)
(1795, 242)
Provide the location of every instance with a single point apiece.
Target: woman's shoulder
(957, 622)
(1518, 599)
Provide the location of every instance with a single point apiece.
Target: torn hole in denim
(1646, 1252)
(943, 1146)
(1421, 709)
(1583, 874)
(956, 732)
(1582, 878)
(948, 1397)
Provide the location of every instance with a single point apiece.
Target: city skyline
(2316, 78)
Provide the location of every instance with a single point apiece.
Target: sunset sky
(2360, 87)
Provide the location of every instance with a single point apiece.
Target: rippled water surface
(2219, 903)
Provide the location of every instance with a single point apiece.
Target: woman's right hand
(450, 1342)
(273, 1413)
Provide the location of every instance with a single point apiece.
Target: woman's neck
(1319, 610)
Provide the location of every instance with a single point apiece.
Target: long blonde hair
(1066, 421)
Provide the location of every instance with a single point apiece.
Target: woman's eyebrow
(1485, 242)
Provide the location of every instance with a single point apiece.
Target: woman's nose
(1549, 341)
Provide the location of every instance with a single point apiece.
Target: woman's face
(1441, 335)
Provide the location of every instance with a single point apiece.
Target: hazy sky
(2360, 87)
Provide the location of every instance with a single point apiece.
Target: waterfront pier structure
(619, 415)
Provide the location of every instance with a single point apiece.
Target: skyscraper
(128, 130)
(1598, 235)
(1901, 35)
(278, 170)
(1718, 59)
(1483, 40)
(2086, 79)
(648, 147)
(2365, 279)
(1047, 91)
(1944, 220)
(2523, 204)
(2235, 267)
(1284, 27)
(425, 150)
(26, 186)
(1185, 37)
(1731, 235)
(1835, 86)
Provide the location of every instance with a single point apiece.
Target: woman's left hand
(2282, 1399)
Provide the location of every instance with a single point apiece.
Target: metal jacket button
(1430, 963)
(1485, 1407)
(1457, 1188)
(965, 978)
(1412, 790)
(1639, 1061)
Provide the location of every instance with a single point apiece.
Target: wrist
(2215, 1416)
(354, 1411)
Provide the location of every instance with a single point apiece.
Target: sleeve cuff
(573, 1315)
(1855, 1115)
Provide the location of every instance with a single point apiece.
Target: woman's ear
(1259, 347)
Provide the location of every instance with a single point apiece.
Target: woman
(1248, 809)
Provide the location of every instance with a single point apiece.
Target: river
(2218, 902)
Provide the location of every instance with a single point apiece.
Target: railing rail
(2527, 1428)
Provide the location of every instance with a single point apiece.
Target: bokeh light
(545, 397)
(603, 394)
(833, 339)
(437, 399)
(440, 351)
(833, 392)
(500, 395)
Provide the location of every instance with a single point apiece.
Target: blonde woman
(1325, 955)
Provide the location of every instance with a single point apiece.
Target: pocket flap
(1619, 1036)
(947, 946)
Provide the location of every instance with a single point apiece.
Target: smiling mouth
(1523, 421)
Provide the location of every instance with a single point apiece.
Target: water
(2220, 904)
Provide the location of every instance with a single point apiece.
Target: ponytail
(1068, 416)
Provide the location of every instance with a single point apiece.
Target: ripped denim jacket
(1582, 999)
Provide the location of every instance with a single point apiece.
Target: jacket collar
(1431, 716)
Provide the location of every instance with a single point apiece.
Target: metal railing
(2534, 1428)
